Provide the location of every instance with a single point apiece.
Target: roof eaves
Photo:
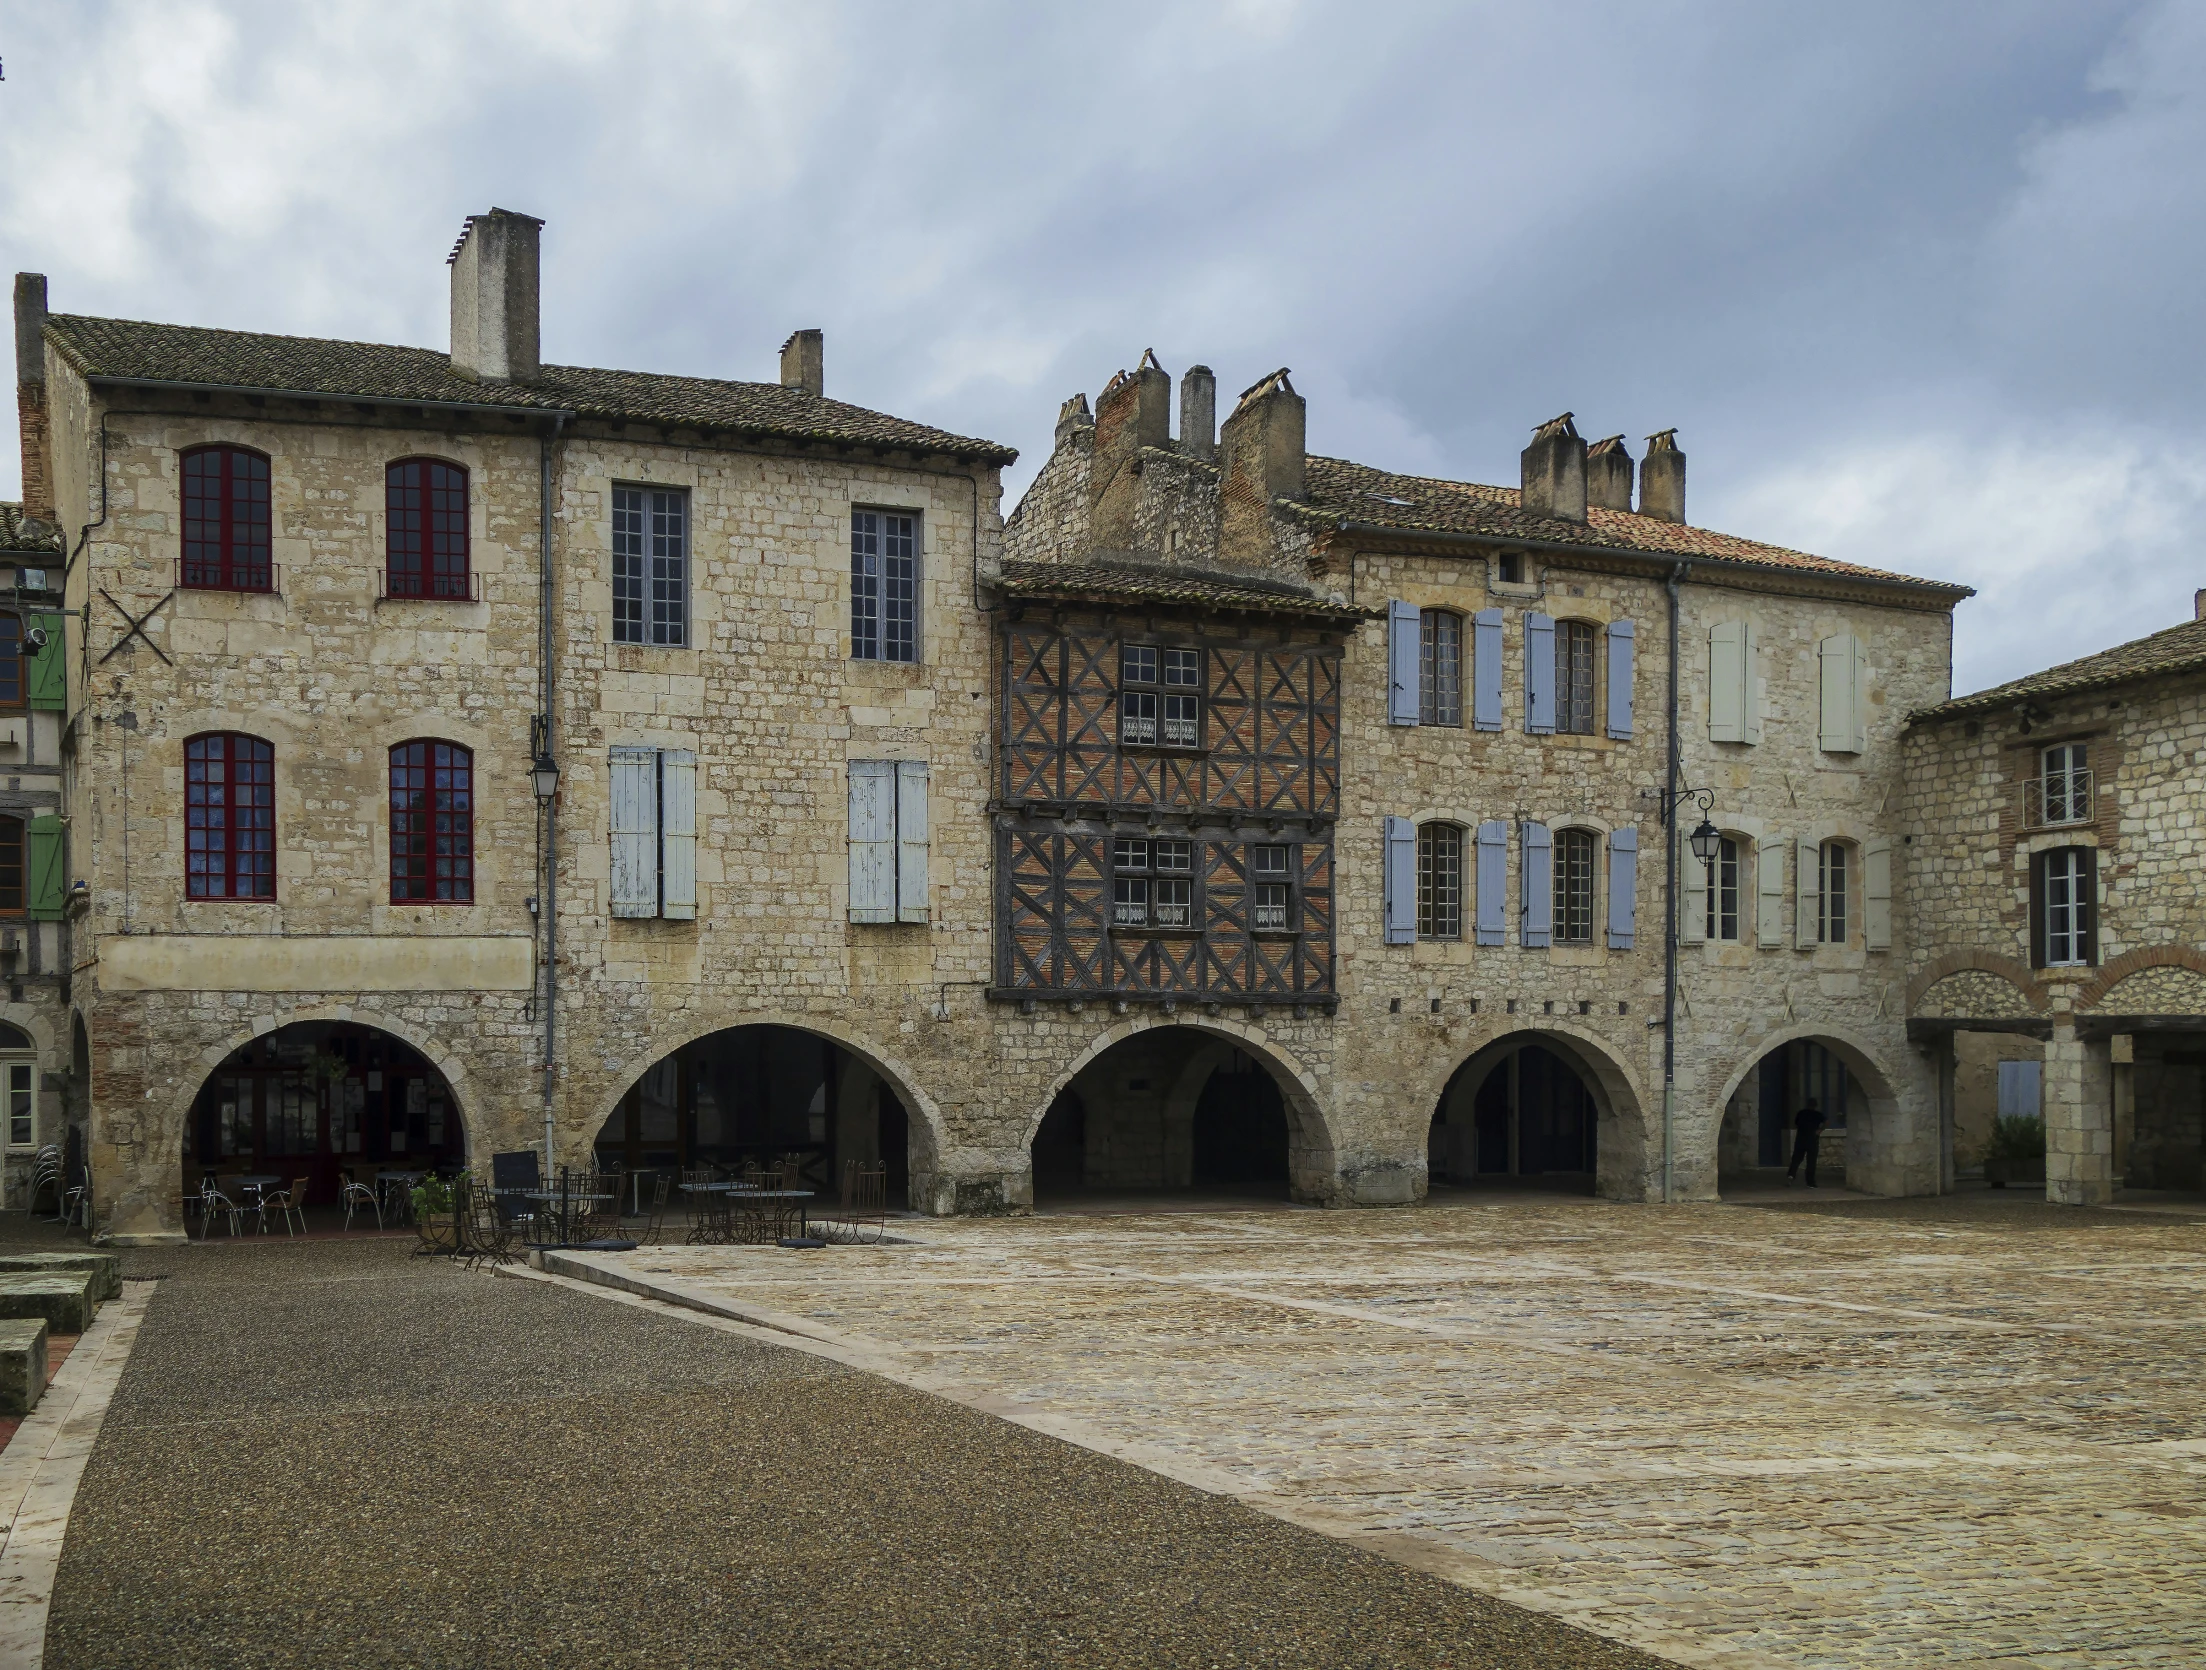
(2041, 686)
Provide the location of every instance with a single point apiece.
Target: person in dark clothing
(1807, 1134)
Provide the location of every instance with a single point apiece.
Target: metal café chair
(289, 1205)
(708, 1207)
(865, 1202)
(213, 1201)
(358, 1197)
(655, 1225)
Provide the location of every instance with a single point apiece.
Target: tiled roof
(129, 350)
(1343, 492)
(1112, 583)
(2180, 649)
(14, 538)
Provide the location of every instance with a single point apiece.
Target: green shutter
(47, 877)
(47, 674)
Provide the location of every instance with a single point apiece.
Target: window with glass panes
(229, 817)
(226, 520)
(1183, 677)
(1573, 887)
(1440, 668)
(432, 824)
(1137, 695)
(1160, 696)
(1270, 887)
(2065, 784)
(1831, 894)
(425, 515)
(884, 586)
(11, 866)
(1152, 882)
(13, 674)
(1439, 881)
(2066, 887)
(1723, 891)
(650, 566)
(1575, 642)
(22, 1103)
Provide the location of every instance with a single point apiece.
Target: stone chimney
(1133, 411)
(30, 395)
(2198, 604)
(1199, 412)
(1261, 454)
(804, 362)
(1662, 479)
(1555, 472)
(1609, 475)
(1075, 421)
(494, 299)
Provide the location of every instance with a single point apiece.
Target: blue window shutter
(1401, 881)
(1620, 679)
(1402, 624)
(635, 831)
(1493, 882)
(1486, 670)
(1623, 886)
(911, 841)
(678, 835)
(1539, 675)
(873, 840)
(1536, 882)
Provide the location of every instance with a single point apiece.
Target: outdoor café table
(552, 1199)
(737, 1194)
(397, 1189)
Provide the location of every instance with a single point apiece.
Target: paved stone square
(1915, 1433)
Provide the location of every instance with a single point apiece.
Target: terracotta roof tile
(14, 537)
(2180, 649)
(1114, 583)
(131, 350)
(1340, 491)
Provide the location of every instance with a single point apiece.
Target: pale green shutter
(1726, 681)
(1807, 897)
(678, 835)
(873, 840)
(1750, 657)
(1836, 658)
(48, 878)
(1769, 891)
(1876, 872)
(1692, 928)
(1859, 683)
(635, 797)
(46, 673)
(911, 841)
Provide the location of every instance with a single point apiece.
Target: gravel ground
(334, 1453)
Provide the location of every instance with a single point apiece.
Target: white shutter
(635, 830)
(1403, 627)
(678, 835)
(1727, 679)
(1807, 895)
(1486, 670)
(1539, 674)
(1876, 872)
(1860, 686)
(1620, 679)
(1835, 682)
(1493, 882)
(1399, 875)
(1536, 885)
(1750, 684)
(1692, 926)
(911, 841)
(1769, 891)
(872, 841)
(1623, 887)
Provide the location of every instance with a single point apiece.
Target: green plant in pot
(2017, 1151)
(434, 1201)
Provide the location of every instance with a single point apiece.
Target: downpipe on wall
(1669, 893)
(549, 885)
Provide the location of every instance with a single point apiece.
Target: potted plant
(2017, 1151)
(435, 1214)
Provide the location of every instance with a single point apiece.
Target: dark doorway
(1240, 1126)
(1061, 1145)
(895, 1145)
(1532, 1116)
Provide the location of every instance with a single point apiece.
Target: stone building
(2056, 823)
(467, 754)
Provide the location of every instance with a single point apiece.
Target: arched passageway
(1759, 1119)
(328, 1101)
(1517, 1113)
(1172, 1116)
(775, 1097)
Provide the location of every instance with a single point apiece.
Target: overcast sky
(1918, 285)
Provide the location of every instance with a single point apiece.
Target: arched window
(226, 520)
(11, 871)
(425, 500)
(1439, 881)
(1832, 888)
(1440, 668)
(1575, 644)
(229, 817)
(432, 824)
(2064, 907)
(1574, 886)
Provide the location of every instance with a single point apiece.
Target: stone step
(22, 1365)
(64, 1299)
(108, 1266)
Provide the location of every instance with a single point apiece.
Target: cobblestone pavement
(1734, 1437)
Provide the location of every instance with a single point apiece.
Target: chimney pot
(495, 335)
(1074, 418)
(1662, 479)
(1263, 451)
(30, 395)
(804, 362)
(2198, 604)
(1609, 474)
(1554, 472)
(1199, 412)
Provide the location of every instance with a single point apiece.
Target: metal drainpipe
(1669, 897)
(549, 895)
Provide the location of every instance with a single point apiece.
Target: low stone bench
(63, 1300)
(22, 1365)
(108, 1266)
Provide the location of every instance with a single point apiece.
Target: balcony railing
(405, 586)
(2057, 802)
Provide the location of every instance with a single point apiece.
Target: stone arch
(1313, 1157)
(930, 1132)
(1620, 1139)
(2012, 970)
(2140, 961)
(1879, 1084)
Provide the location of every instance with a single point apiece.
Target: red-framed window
(432, 824)
(11, 866)
(426, 504)
(226, 520)
(229, 817)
